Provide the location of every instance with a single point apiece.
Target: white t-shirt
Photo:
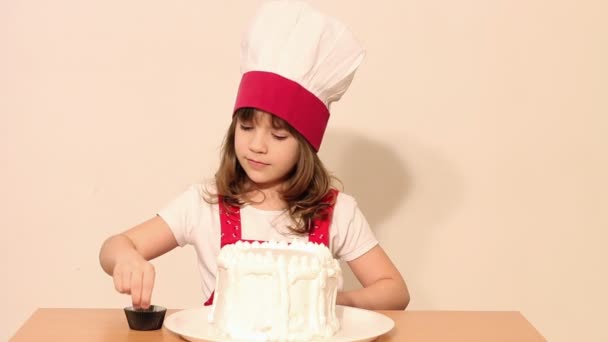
(196, 222)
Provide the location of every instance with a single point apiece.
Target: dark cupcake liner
(151, 318)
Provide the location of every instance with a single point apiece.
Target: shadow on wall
(404, 179)
(370, 171)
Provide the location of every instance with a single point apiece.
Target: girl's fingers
(117, 282)
(126, 282)
(136, 280)
(147, 286)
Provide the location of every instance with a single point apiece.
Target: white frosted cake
(276, 292)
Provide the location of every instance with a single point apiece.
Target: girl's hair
(305, 186)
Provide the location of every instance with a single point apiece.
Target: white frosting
(273, 291)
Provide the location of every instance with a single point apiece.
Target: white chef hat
(296, 61)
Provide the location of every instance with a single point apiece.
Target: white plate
(356, 325)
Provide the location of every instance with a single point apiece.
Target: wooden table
(111, 325)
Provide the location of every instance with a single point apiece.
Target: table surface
(63, 324)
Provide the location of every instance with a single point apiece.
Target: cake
(274, 291)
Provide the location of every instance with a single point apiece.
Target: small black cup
(145, 319)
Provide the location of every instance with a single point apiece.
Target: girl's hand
(134, 275)
(125, 257)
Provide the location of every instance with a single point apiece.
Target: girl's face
(266, 153)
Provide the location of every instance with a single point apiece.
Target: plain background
(473, 137)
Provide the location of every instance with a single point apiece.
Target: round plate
(356, 325)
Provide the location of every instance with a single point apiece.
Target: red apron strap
(230, 220)
(319, 232)
(209, 300)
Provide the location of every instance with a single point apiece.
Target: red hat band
(286, 99)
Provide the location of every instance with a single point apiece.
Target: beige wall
(473, 137)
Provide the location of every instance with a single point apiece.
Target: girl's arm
(383, 285)
(125, 257)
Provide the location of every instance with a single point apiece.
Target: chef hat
(296, 61)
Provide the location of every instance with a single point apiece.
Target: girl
(271, 184)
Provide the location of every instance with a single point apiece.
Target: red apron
(230, 219)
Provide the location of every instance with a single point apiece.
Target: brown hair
(305, 188)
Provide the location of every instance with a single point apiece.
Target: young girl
(271, 184)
